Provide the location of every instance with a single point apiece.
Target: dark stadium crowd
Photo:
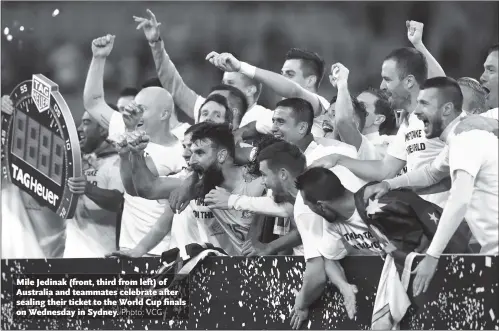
(409, 166)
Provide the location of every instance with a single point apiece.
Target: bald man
(163, 155)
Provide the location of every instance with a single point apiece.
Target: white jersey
(179, 131)
(339, 238)
(309, 224)
(91, 233)
(19, 239)
(139, 215)
(476, 152)
(227, 229)
(411, 145)
(264, 123)
(368, 150)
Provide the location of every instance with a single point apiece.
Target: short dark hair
(283, 155)
(152, 82)
(219, 134)
(449, 91)
(195, 127)
(221, 100)
(360, 111)
(129, 92)
(410, 61)
(312, 63)
(112, 105)
(382, 106)
(493, 48)
(236, 98)
(320, 184)
(302, 110)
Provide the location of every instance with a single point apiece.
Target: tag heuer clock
(40, 146)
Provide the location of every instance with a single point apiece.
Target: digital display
(40, 145)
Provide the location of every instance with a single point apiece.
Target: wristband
(247, 70)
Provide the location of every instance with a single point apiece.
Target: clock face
(40, 147)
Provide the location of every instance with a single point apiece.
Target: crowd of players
(257, 181)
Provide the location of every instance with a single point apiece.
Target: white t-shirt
(411, 145)
(339, 237)
(254, 113)
(91, 233)
(476, 152)
(140, 215)
(179, 131)
(264, 123)
(491, 113)
(368, 151)
(227, 229)
(309, 224)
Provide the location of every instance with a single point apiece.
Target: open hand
(150, 26)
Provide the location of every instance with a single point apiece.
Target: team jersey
(309, 224)
(140, 215)
(476, 152)
(91, 233)
(227, 229)
(411, 145)
(340, 237)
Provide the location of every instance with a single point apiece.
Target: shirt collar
(372, 135)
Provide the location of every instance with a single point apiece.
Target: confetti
(6, 31)
(9, 38)
(55, 13)
(488, 261)
(21, 28)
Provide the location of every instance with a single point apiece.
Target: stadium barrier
(257, 293)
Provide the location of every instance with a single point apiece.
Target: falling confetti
(55, 13)
(9, 37)
(21, 28)
(6, 31)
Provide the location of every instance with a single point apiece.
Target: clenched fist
(102, 47)
(339, 75)
(415, 32)
(138, 141)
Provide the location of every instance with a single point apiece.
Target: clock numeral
(68, 145)
(24, 88)
(63, 212)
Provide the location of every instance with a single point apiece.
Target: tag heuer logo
(40, 93)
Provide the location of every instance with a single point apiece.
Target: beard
(210, 178)
(280, 195)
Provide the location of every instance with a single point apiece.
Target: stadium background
(358, 34)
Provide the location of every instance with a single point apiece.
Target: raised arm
(280, 84)
(415, 36)
(183, 96)
(93, 93)
(146, 183)
(344, 115)
(375, 170)
(125, 166)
